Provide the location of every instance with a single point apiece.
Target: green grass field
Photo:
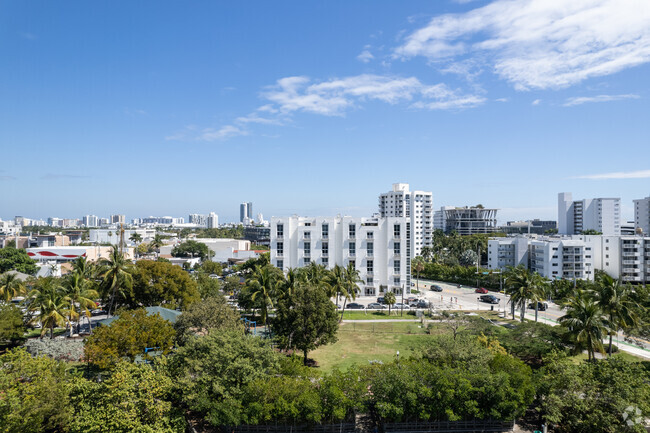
(360, 343)
(372, 315)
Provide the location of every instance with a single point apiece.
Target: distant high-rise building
(118, 219)
(642, 215)
(198, 219)
(600, 214)
(91, 221)
(416, 207)
(469, 220)
(213, 220)
(246, 213)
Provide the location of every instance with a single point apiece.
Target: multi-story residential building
(213, 220)
(439, 222)
(535, 226)
(118, 219)
(246, 213)
(642, 215)
(504, 252)
(198, 219)
(416, 206)
(469, 220)
(111, 236)
(379, 248)
(600, 214)
(90, 221)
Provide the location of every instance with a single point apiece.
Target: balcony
(628, 254)
(630, 262)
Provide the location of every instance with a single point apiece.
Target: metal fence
(477, 426)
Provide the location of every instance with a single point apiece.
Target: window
(396, 247)
(280, 264)
(306, 235)
(325, 248)
(306, 261)
(325, 261)
(369, 280)
(352, 231)
(307, 248)
(352, 248)
(396, 281)
(370, 248)
(353, 264)
(397, 266)
(280, 249)
(396, 230)
(279, 230)
(370, 235)
(369, 266)
(326, 231)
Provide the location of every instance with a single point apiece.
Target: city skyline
(315, 109)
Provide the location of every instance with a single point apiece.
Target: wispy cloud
(7, 177)
(54, 176)
(570, 102)
(135, 112)
(225, 132)
(365, 56)
(539, 43)
(536, 102)
(640, 174)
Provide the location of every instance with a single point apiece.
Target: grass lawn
(360, 343)
(372, 315)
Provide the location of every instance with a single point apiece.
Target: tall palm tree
(49, 299)
(116, 272)
(350, 288)
(539, 288)
(80, 296)
(314, 275)
(156, 243)
(336, 282)
(524, 287)
(10, 286)
(584, 320)
(86, 269)
(264, 283)
(136, 238)
(616, 301)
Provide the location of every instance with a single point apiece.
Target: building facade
(379, 248)
(642, 215)
(469, 220)
(213, 220)
(416, 206)
(600, 214)
(246, 213)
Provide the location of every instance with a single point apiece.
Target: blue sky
(169, 108)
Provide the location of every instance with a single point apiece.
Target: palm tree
(522, 287)
(80, 296)
(156, 243)
(291, 281)
(616, 301)
(350, 288)
(314, 275)
(136, 238)
(50, 300)
(10, 286)
(539, 288)
(264, 283)
(116, 272)
(83, 267)
(584, 320)
(336, 282)
(417, 264)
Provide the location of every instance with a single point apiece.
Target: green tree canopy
(16, 259)
(11, 324)
(191, 249)
(202, 317)
(162, 283)
(128, 336)
(212, 372)
(306, 320)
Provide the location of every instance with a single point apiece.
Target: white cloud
(536, 102)
(365, 56)
(641, 174)
(332, 98)
(540, 43)
(227, 131)
(600, 98)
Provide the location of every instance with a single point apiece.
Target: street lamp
(397, 356)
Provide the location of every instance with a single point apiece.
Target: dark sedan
(354, 306)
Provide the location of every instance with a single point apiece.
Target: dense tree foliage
(202, 317)
(160, 283)
(191, 249)
(16, 259)
(305, 320)
(11, 324)
(128, 336)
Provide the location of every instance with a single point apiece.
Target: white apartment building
(600, 214)
(416, 206)
(90, 221)
(112, 236)
(577, 256)
(642, 215)
(118, 219)
(439, 218)
(213, 220)
(379, 248)
(198, 220)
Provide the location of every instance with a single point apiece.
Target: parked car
(422, 304)
(490, 299)
(375, 306)
(354, 306)
(98, 312)
(411, 299)
(541, 306)
(399, 306)
(436, 288)
(481, 290)
(380, 299)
